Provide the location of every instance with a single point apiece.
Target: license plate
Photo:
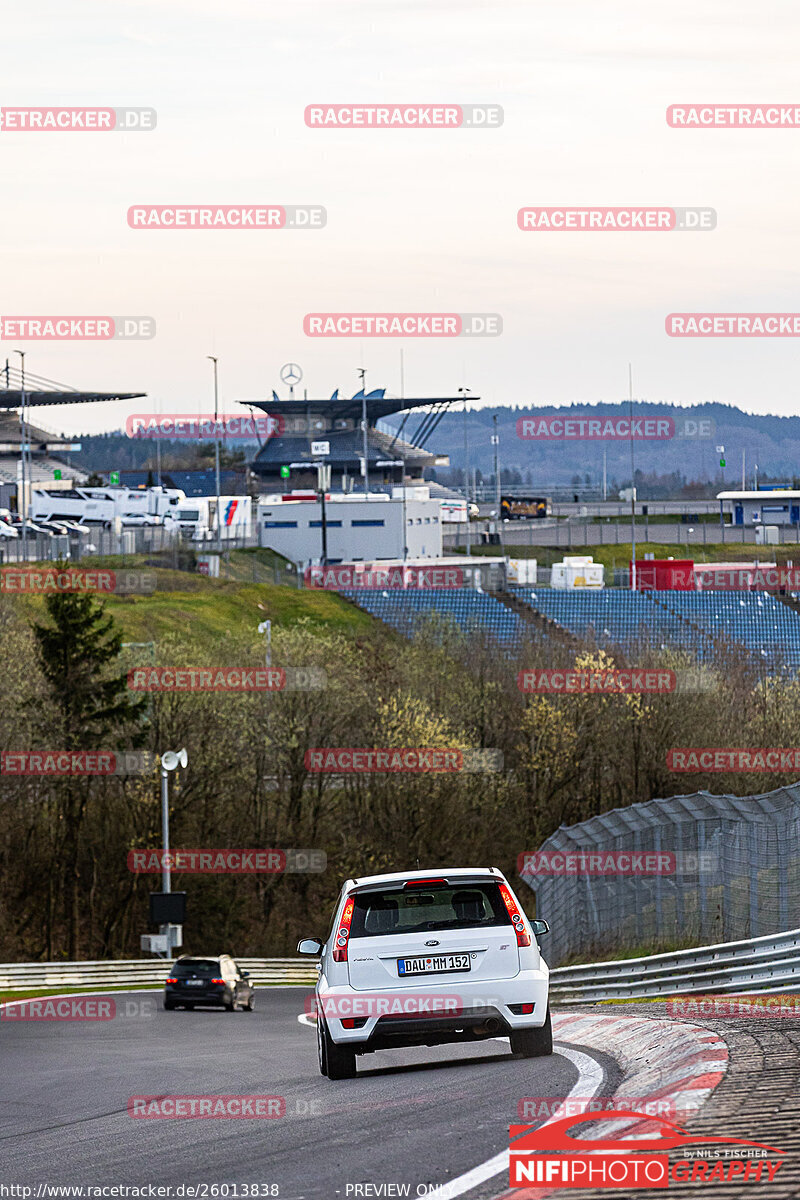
(194, 982)
(431, 966)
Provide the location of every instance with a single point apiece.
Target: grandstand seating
(470, 611)
(757, 621)
(700, 622)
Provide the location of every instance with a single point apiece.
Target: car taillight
(523, 937)
(425, 883)
(172, 979)
(343, 933)
(217, 980)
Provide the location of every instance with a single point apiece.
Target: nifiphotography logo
(551, 1155)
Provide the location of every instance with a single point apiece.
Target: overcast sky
(417, 220)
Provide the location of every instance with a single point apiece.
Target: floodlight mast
(170, 760)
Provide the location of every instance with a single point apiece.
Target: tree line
(65, 888)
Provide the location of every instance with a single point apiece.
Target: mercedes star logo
(291, 373)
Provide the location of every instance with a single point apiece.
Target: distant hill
(771, 443)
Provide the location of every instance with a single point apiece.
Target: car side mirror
(310, 946)
(539, 928)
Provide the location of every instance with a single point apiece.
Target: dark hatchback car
(213, 982)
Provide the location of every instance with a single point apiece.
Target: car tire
(251, 1003)
(169, 1006)
(340, 1061)
(533, 1043)
(322, 1056)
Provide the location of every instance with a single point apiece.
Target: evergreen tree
(94, 711)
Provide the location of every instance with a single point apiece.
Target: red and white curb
(669, 1063)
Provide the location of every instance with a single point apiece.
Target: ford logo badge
(433, 942)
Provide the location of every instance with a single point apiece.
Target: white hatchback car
(421, 958)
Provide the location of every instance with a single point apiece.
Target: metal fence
(19, 977)
(758, 967)
(97, 541)
(577, 534)
(728, 869)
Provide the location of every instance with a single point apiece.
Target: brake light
(172, 979)
(340, 949)
(523, 937)
(412, 883)
(217, 980)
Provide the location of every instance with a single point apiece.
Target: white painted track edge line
(589, 1083)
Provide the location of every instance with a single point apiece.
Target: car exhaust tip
(489, 1027)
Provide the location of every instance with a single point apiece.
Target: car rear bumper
(198, 996)
(426, 1016)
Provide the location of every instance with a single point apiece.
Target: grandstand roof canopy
(40, 391)
(378, 404)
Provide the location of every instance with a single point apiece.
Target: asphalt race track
(414, 1117)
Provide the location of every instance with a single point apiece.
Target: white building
(765, 507)
(358, 529)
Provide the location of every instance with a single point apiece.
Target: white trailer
(101, 505)
(197, 518)
(88, 507)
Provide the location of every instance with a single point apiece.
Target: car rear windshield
(197, 966)
(418, 910)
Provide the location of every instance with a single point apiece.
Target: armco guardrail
(761, 965)
(18, 977)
